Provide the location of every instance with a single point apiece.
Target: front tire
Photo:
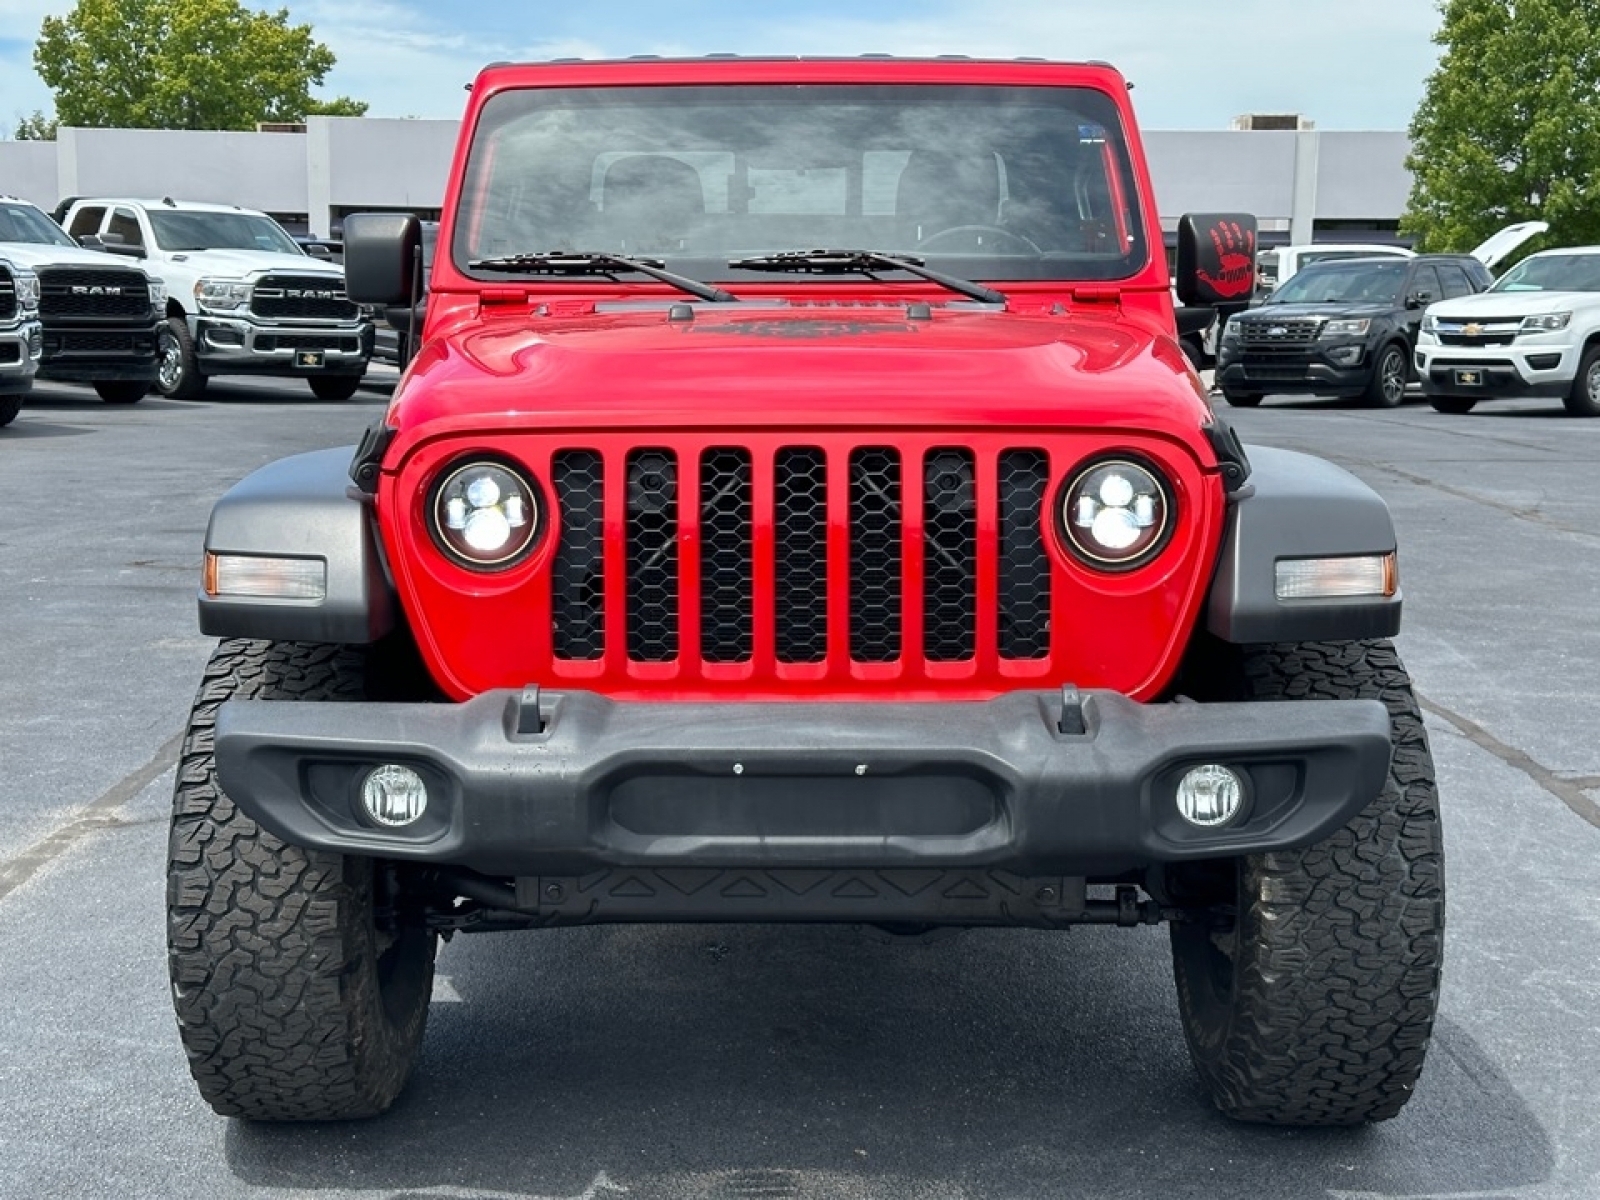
(1454, 405)
(334, 387)
(1387, 388)
(178, 376)
(121, 391)
(1584, 398)
(294, 1001)
(10, 406)
(1308, 988)
(1242, 399)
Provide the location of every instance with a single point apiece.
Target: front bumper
(21, 346)
(84, 352)
(1316, 369)
(233, 346)
(659, 788)
(1538, 365)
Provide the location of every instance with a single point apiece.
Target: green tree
(182, 64)
(1509, 124)
(36, 128)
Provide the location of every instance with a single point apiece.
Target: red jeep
(800, 509)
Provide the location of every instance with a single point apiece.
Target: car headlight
(27, 285)
(484, 515)
(1347, 327)
(1116, 514)
(1230, 328)
(222, 295)
(1546, 322)
(1430, 323)
(158, 294)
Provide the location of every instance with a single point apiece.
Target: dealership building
(1302, 184)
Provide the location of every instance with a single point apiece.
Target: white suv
(244, 297)
(1536, 332)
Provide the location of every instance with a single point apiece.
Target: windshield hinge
(1097, 295)
(503, 295)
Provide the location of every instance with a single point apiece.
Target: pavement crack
(1520, 513)
(99, 814)
(1568, 791)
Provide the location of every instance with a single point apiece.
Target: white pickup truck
(1536, 332)
(243, 297)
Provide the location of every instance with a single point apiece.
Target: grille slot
(67, 292)
(875, 563)
(950, 556)
(727, 598)
(8, 295)
(303, 298)
(652, 556)
(1024, 565)
(801, 537)
(90, 341)
(577, 576)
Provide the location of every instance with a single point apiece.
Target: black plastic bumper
(1314, 376)
(992, 785)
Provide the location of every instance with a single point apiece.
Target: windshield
(994, 182)
(24, 223)
(1352, 282)
(219, 231)
(1552, 273)
(1308, 257)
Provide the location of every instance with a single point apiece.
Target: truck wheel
(1387, 388)
(10, 406)
(1455, 405)
(121, 391)
(334, 387)
(1242, 399)
(1584, 398)
(1307, 991)
(178, 376)
(295, 1002)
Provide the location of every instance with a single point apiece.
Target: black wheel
(334, 387)
(1584, 398)
(294, 1001)
(178, 376)
(1193, 352)
(10, 406)
(1308, 988)
(1242, 399)
(1387, 388)
(121, 391)
(1456, 405)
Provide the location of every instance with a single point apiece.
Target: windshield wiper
(864, 262)
(598, 262)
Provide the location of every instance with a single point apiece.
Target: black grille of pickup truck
(904, 553)
(93, 293)
(302, 298)
(8, 295)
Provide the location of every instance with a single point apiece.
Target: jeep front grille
(93, 293)
(302, 298)
(702, 535)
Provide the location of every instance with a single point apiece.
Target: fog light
(394, 795)
(1210, 795)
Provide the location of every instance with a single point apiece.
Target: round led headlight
(1116, 514)
(485, 515)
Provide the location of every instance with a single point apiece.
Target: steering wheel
(1009, 235)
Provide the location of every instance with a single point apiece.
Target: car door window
(1425, 279)
(124, 227)
(1454, 281)
(86, 221)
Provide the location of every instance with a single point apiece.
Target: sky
(1195, 64)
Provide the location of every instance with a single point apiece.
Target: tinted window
(1552, 273)
(1426, 279)
(1353, 282)
(126, 226)
(86, 221)
(1454, 281)
(1011, 183)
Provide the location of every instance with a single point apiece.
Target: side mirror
(91, 241)
(1420, 299)
(318, 250)
(379, 252)
(1216, 259)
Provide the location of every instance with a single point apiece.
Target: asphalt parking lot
(722, 1062)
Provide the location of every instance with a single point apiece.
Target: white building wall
(253, 170)
(1360, 174)
(28, 170)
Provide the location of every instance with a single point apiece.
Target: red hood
(801, 367)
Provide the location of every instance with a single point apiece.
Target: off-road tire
(334, 387)
(1308, 997)
(292, 1004)
(182, 380)
(1583, 399)
(10, 406)
(121, 391)
(1456, 406)
(1387, 387)
(1242, 399)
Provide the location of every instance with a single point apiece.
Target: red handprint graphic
(1236, 261)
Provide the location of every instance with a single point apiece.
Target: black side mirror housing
(1420, 299)
(379, 252)
(1216, 259)
(91, 241)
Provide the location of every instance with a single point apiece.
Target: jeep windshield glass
(1552, 273)
(24, 223)
(1353, 282)
(219, 231)
(993, 183)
